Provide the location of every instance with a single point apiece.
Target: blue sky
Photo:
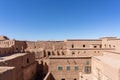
(59, 19)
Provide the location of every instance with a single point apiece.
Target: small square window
(68, 68)
(87, 69)
(59, 68)
(76, 68)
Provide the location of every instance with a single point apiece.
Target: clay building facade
(72, 59)
(13, 60)
(6, 46)
(6, 51)
(106, 67)
(24, 63)
(84, 49)
(72, 47)
(12, 46)
(68, 68)
(7, 73)
(46, 48)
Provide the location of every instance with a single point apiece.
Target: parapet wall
(46, 48)
(49, 45)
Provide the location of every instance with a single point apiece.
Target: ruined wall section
(46, 48)
(8, 47)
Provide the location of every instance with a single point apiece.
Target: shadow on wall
(40, 74)
(41, 71)
(51, 77)
(46, 68)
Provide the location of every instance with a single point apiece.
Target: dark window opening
(68, 68)
(72, 46)
(63, 79)
(16, 49)
(100, 46)
(87, 69)
(73, 53)
(27, 60)
(95, 46)
(63, 53)
(75, 79)
(58, 53)
(76, 68)
(49, 53)
(59, 68)
(83, 45)
(44, 53)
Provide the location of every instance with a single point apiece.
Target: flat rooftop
(5, 58)
(110, 58)
(4, 69)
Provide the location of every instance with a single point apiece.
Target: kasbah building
(72, 59)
